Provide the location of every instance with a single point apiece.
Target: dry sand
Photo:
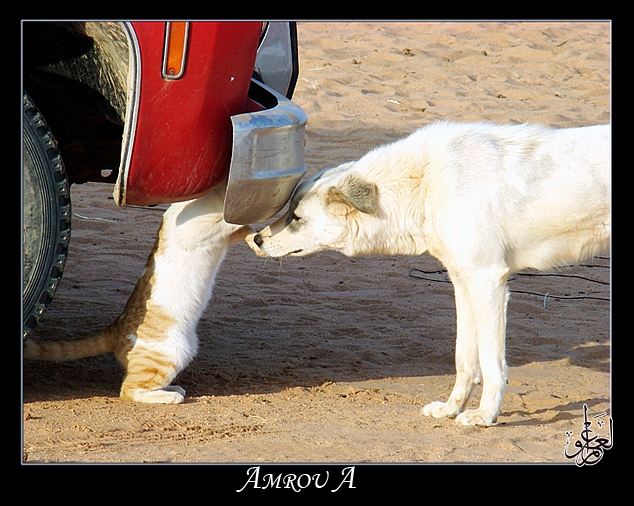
(328, 358)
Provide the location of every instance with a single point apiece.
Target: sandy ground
(328, 358)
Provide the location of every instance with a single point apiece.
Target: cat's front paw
(175, 388)
(171, 394)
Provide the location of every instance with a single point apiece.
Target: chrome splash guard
(267, 158)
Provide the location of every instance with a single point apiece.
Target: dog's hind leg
(467, 365)
(481, 323)
(489, 297)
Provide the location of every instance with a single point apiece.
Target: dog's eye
(296, 218)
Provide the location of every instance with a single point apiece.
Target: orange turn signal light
(175, 52)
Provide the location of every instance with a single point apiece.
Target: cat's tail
(71, 349)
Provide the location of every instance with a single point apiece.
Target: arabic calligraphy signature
(590, 448)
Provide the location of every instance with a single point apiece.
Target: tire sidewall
(46, 216)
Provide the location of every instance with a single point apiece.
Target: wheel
(46, 216)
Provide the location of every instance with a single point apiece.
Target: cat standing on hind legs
(155, 335)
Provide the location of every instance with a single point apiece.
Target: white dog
(485, 200)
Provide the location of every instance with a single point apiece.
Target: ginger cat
(155, 335)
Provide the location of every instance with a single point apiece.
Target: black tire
(46, 216)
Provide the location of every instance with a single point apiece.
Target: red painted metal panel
(182, 145)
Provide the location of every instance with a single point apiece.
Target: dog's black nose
(258, 240)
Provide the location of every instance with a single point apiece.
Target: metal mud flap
(267, 159)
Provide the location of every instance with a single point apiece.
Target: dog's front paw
(478, 417)
(440, 410)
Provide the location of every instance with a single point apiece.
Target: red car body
(182, 144)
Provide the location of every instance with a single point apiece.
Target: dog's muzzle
(255, 241)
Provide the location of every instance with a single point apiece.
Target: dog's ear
(355, 192)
